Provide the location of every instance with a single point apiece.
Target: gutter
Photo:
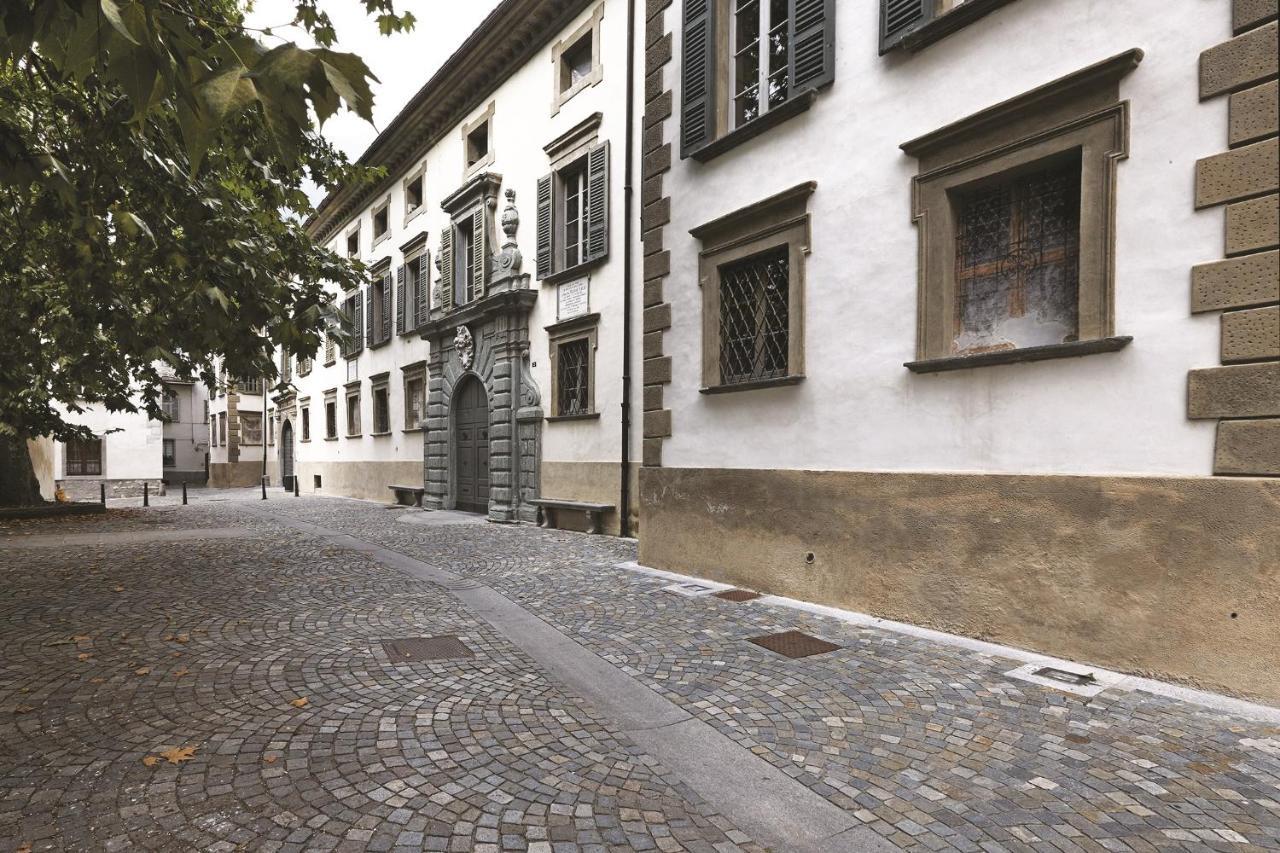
(624, 500)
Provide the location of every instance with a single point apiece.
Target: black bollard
(146, 498)
(295, 485)
(264, 488)
(102, 493)
(184, 492)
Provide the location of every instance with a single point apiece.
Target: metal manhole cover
(737, 595)
(794, 644)
(413, 649)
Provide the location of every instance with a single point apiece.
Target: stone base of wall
(88, 488)
(1171, 577)
(235, 475)
(191, 478)
(598, 482)
(364, 480)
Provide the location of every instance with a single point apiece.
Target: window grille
(754, 317)
(84, 457)
(573, 377)
(1017, 263)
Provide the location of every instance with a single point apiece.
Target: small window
(84, 457)
(477, 145)
(353, 324)
(353, 243)
(573, 378)
(169, 405)
(306, 423)
(251, 428)
(415, 401)
(576, 58)
(382, 221)
(270, 424)
(222, 428)
(477, 141)
(213, 432)
(754, 321)
(912, 24)
(381, 410)
(330, 349)
(413, 197)
(353, 413)
(170, 453)
(575, 63)
(331, 418)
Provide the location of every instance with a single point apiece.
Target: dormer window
(382, 221)
(477, 142)
(477, 145)
(576, 59)
(353, 243)
(413, 195)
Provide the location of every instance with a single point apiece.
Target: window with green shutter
(912, 24)
(573, 214)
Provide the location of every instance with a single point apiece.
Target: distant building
(125, 452)
(185, 452)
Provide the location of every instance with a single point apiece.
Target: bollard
(102, 493)
(184, 492)
(264, 488)
(295, 485)
(146, 498)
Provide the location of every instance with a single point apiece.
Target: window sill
(1017, 356)
(381, 238)
(775, 382)
(585, 416)
(330, 438)
(379, 344)
(380, 434)
(792, 108)
(573, 272)
(330, 363)
(412, 429)
(947, 23)
(353, 435)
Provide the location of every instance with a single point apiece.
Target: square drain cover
(794, 644)
(737, 595)
(415, 649)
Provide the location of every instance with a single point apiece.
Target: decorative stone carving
(464, 343)
(506, 264)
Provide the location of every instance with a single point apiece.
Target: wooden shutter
(357, 313)
(446, 268)
(812, 40)
(900, 18)
(697, 76)
(369, 337)
(597, 203)
(422, 291)
(546, 253)
(479, 255)
(401, 325)
(384, 303)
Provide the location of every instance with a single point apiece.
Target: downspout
(624, 501)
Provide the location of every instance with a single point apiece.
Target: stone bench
(550, 506)
(408, 495)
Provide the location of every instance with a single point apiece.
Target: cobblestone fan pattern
(234, 694)
(929, 745)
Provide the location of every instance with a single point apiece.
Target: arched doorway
(286, 455)
(471, 445)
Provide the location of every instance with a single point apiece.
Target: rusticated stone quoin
(1238, 174)
(1245, 60)
(1249, 447)
(1251, 335)
(1237, 391)
(1236, 282)
(1253, 225)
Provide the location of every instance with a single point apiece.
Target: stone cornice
(507, 38)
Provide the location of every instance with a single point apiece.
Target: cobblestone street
(214, 677)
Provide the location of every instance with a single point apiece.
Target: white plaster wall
(859, 408)
(189, 431)
(132, 447)
(523, 123)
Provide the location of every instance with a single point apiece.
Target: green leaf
(112, 13)
(349, 76)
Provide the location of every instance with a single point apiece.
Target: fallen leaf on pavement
(24, 847)
(118, 588)
(270, 759)
(83, 656)
(181, 673)
(23, 709)
(300, 702)
(80, 638)
(98, 680)
(179, 754)
(150, 760)
(182, 638)
(142, 670)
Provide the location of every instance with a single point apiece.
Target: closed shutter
(812, 60)
(546, 253)
(422, 291)
(401, 325)
(597, 203)
(357, 314)
(900, 18)
(446, 269)
(697, 76)
(479, 255)
(370, 335)
(384, 302)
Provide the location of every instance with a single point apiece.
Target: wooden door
(471, 446)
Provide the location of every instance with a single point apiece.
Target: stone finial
(510, 219)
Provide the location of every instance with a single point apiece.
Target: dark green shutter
(479, 256)
(697, 76)
(597, 203)
(900, 18)
(812, 39)
(546, 255)
(369, 336)
(446, 268)
(384, 299)
(357, 312)
(401, 325)
(421, 291)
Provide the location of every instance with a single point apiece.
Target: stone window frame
(590, 27)
(581, 328)
(352, 392)
(382, 207)
(572, 150)
(102, 458)
(353, 231)
(379, 382)
(410, 373)
(781, 219)
(1080, 112)
(304, 419)
(928, 21)
(331, 399)
(246, 438)
(330, 349)
(485, 118)
(379, 308)
(222, 428)
(418, 174)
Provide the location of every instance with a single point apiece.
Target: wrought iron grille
(572, 376)
(754, 317)
(1017, 256)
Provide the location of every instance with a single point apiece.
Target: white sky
(402, 62)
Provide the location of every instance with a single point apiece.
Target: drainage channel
(757, 797)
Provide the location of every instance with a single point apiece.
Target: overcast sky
(401, 62)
